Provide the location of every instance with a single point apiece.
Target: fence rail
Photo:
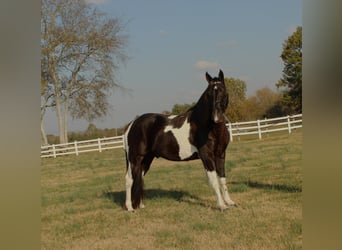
(265, 126)
(236, 129)
(78, 147)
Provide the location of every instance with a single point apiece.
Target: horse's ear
(221, 76)
(208, 77)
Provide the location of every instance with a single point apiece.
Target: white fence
(77, 147)
(265, 126)
(236, 129)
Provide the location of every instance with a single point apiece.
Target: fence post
(76, 149)
(99, 142)
(289, 124)
(54, 150)
(259, 129)
(266, 124)
(230, 131)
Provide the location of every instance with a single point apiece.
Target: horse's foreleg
(225, 193)
(223, 185)
(213, 180)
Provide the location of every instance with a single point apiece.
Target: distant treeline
(91, 133)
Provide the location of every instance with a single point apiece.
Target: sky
(171, 44)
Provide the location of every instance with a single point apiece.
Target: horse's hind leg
(129, 184)
(146, 163)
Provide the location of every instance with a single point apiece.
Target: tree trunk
(66, 110)
(59, 117)
(42, 129)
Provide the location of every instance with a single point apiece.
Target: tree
(237, 95)
(46, 102)
(80, 49)
(181, 108)
(258, 105)
(292, 73)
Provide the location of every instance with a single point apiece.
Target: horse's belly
(173, 153)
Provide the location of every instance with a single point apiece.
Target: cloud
(202, 64)
(163, 33)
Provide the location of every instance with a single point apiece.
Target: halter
(214, 97)
(214, 100)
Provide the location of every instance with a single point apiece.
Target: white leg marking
(182, 134)
(213, 180)
(129, 184)
(129, 178)
(225, 193)
(141, 205)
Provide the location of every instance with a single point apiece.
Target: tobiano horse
(199, 133)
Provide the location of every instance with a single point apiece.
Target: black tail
(138, 186)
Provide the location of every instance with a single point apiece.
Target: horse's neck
(201, 112)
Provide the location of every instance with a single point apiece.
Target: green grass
(82, 199)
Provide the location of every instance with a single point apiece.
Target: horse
(199, 133)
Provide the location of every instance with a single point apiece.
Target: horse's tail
(138, 186)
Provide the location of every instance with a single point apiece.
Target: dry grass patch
(82, 199)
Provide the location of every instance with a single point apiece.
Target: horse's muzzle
(218, 117)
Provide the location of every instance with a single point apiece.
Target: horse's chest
(180, 138)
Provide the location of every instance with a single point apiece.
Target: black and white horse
(198, 133)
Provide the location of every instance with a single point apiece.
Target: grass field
(82, 201)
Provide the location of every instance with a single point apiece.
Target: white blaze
(182, 134)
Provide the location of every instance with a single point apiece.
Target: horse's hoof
(224, 207)
(231, 203)
(129, 208)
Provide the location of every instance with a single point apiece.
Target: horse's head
(218, 96)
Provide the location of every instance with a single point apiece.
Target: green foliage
(237, 96)
(258, 105)
(181, 108)
(90, 133)
(292, 73)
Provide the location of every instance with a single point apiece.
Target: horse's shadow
(276, 187)
(119, 197)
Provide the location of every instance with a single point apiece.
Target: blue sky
(171, 44)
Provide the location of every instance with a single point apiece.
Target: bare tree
(80, 49)
(46, 101)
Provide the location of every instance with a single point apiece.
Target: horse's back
(141, 133)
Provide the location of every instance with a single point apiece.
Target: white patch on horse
(225, 193)
(182, 134)
(126, 146)
(213, 180)
(128, 177)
